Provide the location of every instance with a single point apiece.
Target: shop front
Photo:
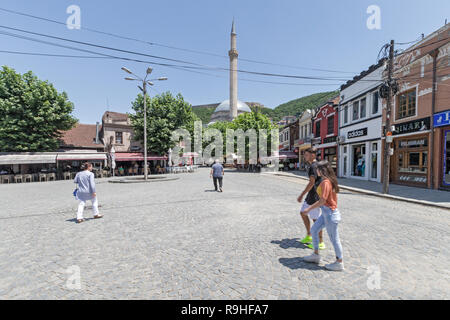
(410, 164)
(360, 150)
(442, 148)
(328, 150)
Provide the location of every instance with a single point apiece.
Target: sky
(300, 35)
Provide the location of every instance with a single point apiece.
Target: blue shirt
(86, 185)
(217, 170)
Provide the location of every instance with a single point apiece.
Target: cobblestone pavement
(180, 240)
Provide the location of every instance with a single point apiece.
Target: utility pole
(387, 127)
(144, 83)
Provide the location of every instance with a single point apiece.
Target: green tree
(33, 114)
(165, 113)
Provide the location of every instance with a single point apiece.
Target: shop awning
(136, 156)
(27, 158)
(288, 155)
(80, 156)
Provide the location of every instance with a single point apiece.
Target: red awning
(136, 156)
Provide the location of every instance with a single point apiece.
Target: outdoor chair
(5, 178)
(67, 176)
(28, 178)
(17, 178)
(72, 175)
(42, 177)
(51, 176)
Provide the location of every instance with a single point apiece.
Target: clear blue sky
(319, 34)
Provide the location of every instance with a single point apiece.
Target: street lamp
(144, 91)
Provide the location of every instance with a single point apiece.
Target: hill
(297, 106)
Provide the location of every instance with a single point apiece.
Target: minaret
(233, 54)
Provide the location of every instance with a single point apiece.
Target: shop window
(359, 161)
(317, 129)
(447, 158)
(406, 104)
(355, 110)
(374, 161)
(375, 102)
(119, 137)
(346, 114)
(362, 108)
(345, 165)
(330, 125)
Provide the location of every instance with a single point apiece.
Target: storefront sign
(413, 143)
(357, 133)
(317, 140)
(330, 139)
(412, 126)
(442, 119)
(415, 179)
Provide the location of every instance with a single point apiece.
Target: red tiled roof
(82, 135)
(115, 116)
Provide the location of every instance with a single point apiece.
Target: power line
(172, 47)
(137, 53)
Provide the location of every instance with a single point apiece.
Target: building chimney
(97, 132)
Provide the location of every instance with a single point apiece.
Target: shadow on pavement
(290, 243)
(298, 263)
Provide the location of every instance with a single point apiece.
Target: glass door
(374, 161)
(446, 178)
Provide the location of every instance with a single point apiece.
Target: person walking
(311, 198)
(217, 174)
(330, 218)
(86, 191)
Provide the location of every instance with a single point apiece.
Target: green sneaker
(307, 239)
(321, 246)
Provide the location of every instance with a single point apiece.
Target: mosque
(229, 109)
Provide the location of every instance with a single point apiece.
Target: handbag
(75, 193)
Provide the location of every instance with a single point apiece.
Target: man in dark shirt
(311, 197)
(217, 174)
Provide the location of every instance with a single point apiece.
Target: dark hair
(311, 150)
(327, 172)
(86, 165)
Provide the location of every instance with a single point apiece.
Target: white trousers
(83, 203)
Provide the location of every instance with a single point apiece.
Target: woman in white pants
(86, 191)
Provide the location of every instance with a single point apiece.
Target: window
(346, 114)
(375, 102)
(330, 125)
(355, 110)
(317, 128)
(406, 104)
(119, 137)
(362, 108)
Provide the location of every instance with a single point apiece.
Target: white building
(360, 126)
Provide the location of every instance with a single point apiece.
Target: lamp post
(144, 91)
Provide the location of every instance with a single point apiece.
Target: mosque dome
(225, 106)
(222, 112)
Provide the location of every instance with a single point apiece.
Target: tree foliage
(32, 113)
(165, 113)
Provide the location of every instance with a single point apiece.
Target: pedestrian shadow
(299, 263)
(74, 220)
(210, 191)
(289, 243)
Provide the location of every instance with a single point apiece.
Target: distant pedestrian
(86, 191)
(330, 217)
(311, 198)
(217, 174)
